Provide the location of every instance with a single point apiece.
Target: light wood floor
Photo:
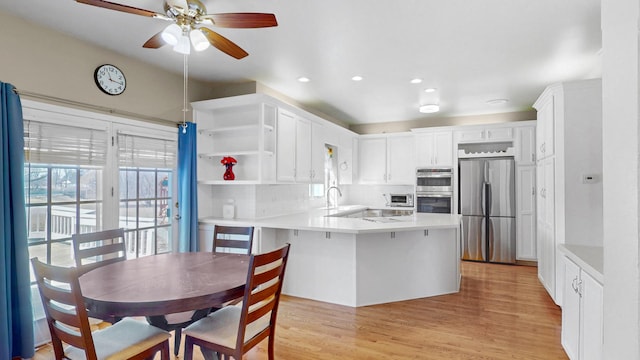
(501, 312)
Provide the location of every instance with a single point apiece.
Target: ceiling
(470, 51)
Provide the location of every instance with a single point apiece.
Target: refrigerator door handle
(489, 198)
(484, 199)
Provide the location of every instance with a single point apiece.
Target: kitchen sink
(374, 213)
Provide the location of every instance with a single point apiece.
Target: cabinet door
(570, 337)
(424, 149)
(471, 135)
(545, 129)
(525, 214)
(526, 146)
(319, 138)
(372, 160)
(443, 148)
(401, 168)
(591, 319)
(499, 134)
(345, 158)
(303, 151)
(286, 147)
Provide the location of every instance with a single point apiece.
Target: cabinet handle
(533, 191)
(533, 157)
(579, 290)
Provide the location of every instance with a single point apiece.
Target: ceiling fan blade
(223, 44)
(124, 8)
(154, 42)
(242, 20)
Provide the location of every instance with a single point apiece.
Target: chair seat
(122, 340)
(221, 327)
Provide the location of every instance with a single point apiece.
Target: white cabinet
(526, 145)
(286, 147)
(242, 128)
(401, 168)
(319, 138)
(569, 147)
(526, 213)
(545, 224)
(545, 126)
(386, 159)
(581, 314)
(303, 151)
(434, 149)
(485, 134)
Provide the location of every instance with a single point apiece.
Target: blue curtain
(187, 189)
(16, 316)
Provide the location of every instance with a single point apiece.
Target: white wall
(620, 22)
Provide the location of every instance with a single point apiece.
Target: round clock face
(110, 79)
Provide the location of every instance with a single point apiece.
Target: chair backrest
(262, 296)
(97, 249)
(236, 239)
(64, 307)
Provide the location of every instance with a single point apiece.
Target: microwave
(402, 200)
(434, 180)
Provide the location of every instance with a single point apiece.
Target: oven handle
(434, 195)
(447, 175)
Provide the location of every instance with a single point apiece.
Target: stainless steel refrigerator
(487, 204)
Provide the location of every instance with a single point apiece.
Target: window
(86, 172)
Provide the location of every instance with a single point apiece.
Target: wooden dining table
(164, 284)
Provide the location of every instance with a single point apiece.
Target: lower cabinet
(581, 314)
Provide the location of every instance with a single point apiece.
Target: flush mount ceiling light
(497, 101)
(416, 81)
(429, 108)
(430, 90)
(357, 78)
(303, 79)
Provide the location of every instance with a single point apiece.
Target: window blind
(146, 152)
(47, 143)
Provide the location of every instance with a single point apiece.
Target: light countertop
(589, 258)
(317, 220)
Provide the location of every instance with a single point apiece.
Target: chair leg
(188, 349)
(270, 348)
(176, 341)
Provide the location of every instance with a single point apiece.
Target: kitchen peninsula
(359, 261)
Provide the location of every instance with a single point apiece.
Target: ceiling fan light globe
(198, 40)
(183, 46)
(171, 34)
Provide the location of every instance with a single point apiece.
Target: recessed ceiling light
(304, 79)
(429, 108)
(497, 101)
(416, 81)
(356, 78)
(430, 90)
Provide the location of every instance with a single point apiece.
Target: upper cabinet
(386, 159)
(434, 148)
(482, 134)
(242, 128)
(526, 145)
(546, 125)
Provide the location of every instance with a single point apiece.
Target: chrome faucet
(328, 190)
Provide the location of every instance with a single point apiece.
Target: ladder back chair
(236, 239)
(225, 239)
(233, 330)
(68, 322)
(96, 249)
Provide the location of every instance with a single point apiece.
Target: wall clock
(110, 79)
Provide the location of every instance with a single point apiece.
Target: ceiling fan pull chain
(184, 93)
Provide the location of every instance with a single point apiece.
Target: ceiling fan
(188, 18)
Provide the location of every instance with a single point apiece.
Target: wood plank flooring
(501, 312)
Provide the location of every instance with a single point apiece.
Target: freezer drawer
(502, 240)
(474, 245)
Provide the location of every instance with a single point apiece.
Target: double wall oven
(434, 190)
